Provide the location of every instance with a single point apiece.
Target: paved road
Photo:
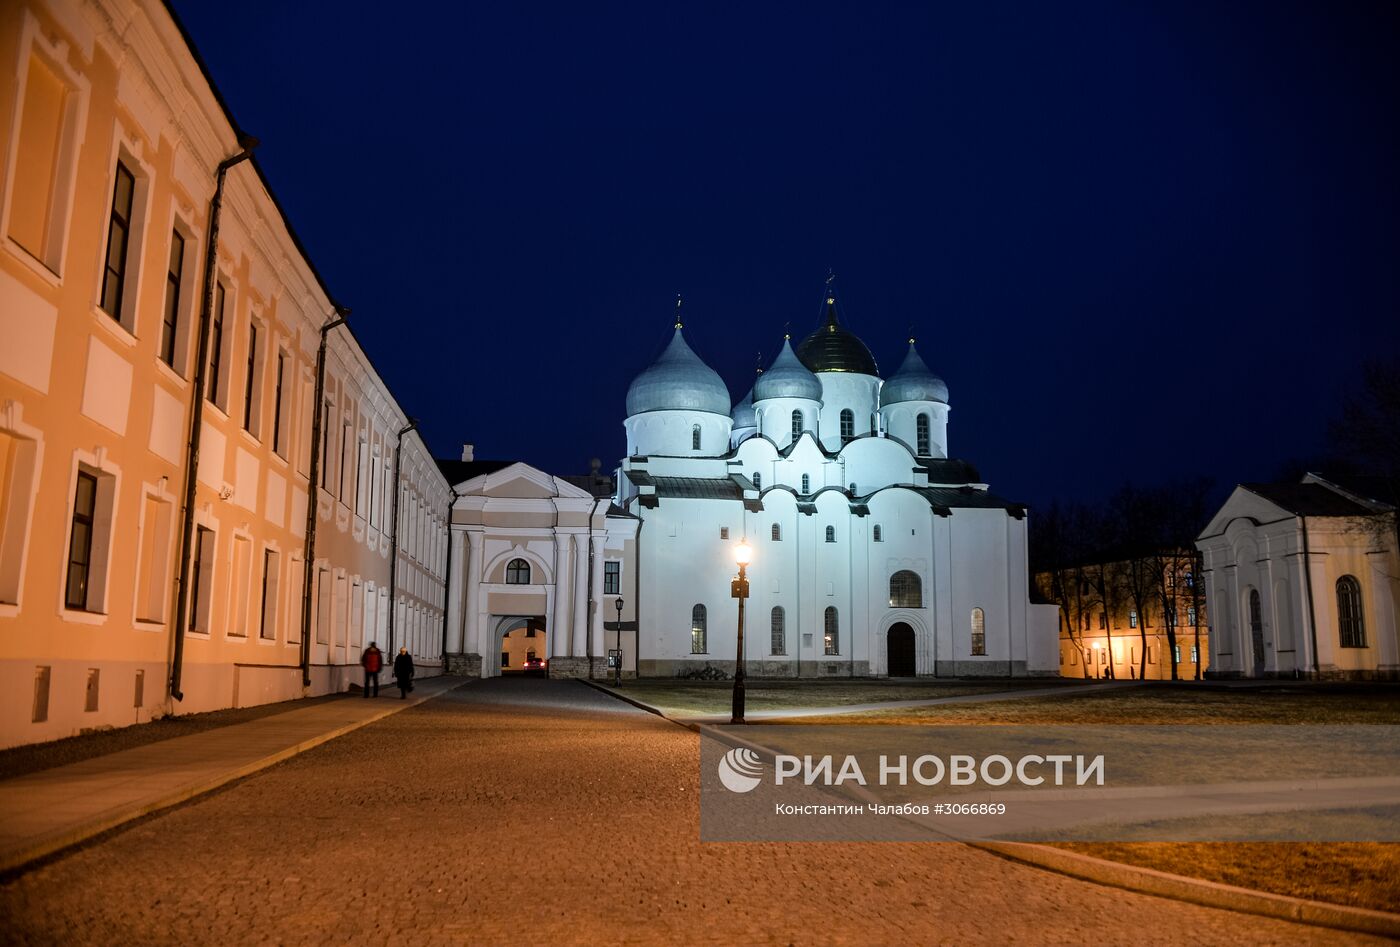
(536, 811)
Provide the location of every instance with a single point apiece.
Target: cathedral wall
(673, 433)
(847, 390)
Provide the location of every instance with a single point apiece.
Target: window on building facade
(777, 533)
(19, 457)
(241, 564)
(1103, 621)
(1176, 653)
(921, 435)
(906, 590)
(115, 263)
(505, 659)
(724, 532)
(695, 437)
(252, 384)
(757, 481)
(797, 425)
(1349, 618)
(806, 484)
(267, 611)
(518, 572)
(80, 542)
(1191, 615)
(698, 644)
(281, 407)
(831, 534)
(848, 425)
(832, 630)
(1193, 654)
(170, 317)
(214, 390)
(612, 577)
(1132, 618)
(45, 150)
(202, 581)
(979, 631)
(778, 626)
(876, 534)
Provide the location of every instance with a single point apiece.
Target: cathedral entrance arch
(899, 644)
(522, 646)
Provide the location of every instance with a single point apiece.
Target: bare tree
(1056, 546)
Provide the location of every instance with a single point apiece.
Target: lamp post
(739, 589)
(618, 605)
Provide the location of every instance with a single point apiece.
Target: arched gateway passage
(899, 641)
(524, 648)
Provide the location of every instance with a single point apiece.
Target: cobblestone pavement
(535, 811)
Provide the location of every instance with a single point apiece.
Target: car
(535, 664)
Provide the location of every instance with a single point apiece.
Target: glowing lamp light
(743, 553)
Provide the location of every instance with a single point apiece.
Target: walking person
(403, 672)
(372, 660)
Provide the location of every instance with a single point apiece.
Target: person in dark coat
(372, 660)
(403, 672)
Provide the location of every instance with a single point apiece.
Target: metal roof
(913, 382)
(834, 348)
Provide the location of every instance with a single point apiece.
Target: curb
(16, 860)
(1212, 894)
(693, 727)
(1150, 881)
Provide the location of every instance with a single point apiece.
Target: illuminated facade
(113, 133)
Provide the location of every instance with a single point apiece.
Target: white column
(579, 591)
(599, 648)
(558, 630)
(453, 606)
(471, 627)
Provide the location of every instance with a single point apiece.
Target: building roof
(834, 348)
(458, 471)
(913, 382)
(787, 378)
(949, 470)
(1307, 499)
(678, 381)
(946, 499)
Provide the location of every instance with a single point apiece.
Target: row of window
(1070, 658)
(1146, 619)
(777, 623)
(518, 573)
(848, 429)
(1351, 623)
(775, 533)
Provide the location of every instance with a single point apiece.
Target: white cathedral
(873, 552)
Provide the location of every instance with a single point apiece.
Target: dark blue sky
(1137, 242)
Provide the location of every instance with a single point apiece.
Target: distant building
(1110, 640)
(1303, 580)
(114, 133)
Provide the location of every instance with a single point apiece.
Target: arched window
(806, 484)
(831, 534)
(758, 481)
(878, 538)
(796, 425)
(777, 533)
(921, 434)
(979, 632)
(518, 572)
(906, 590)
(848, 425)
(853, 488)
(695, 437)
(1349, 620)
(697, 630)
(779, 626)
(833, 631)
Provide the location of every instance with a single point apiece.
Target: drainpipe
(447, 577)
(636, 598)
(1312, 612)
(318, 413)
(394, 542)
(246, 144)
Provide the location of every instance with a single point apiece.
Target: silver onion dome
(787, 378)
(678, 381)
(913, 382)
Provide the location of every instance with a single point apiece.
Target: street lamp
(739, 589)
(618, 605)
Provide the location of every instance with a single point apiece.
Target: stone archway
(519, 638)
(899, 650)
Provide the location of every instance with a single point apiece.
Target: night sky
(1138, 243)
